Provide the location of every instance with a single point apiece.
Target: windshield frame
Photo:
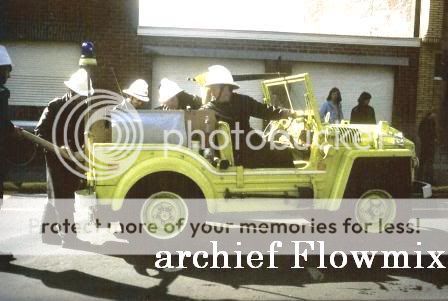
(311, 104)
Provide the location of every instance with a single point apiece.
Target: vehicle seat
(224, 137)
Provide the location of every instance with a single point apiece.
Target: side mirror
(327, 118)
(326, 150)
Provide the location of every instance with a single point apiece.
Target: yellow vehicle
(332, 162)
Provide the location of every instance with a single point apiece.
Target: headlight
(391, 139)
(399, 139)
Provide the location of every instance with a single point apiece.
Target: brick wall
(429, 93)
(436, 15)
(112, 26)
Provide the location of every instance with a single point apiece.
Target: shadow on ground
(82, 283)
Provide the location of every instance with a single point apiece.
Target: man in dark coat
(428, 137)
(58, 125)
(7, 130)
(236, 110)
(363, 113)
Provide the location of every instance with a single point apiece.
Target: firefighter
(7, 129)
(58, 124)
(236, 110)
(137, 95)
(172, 97)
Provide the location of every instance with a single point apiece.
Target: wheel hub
(165, 213)
(375, 209)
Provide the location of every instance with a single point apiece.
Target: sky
(386, 18)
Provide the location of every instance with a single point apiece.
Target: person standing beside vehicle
(58, 124)
(7, 129)
(172, 97)
(363, 113)
(332, 106)
(427, 133)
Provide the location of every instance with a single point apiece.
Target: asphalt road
(78, 275)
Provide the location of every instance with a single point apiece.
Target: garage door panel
(352, 80)
(39, 71)
(179, 69)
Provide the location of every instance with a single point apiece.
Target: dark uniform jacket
(363, 114)
(6, 131)
(428, 134)
(238, 111)
(185, 100)
(6, 127)
(241, 107)
(61, 182)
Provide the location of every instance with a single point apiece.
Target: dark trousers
(264, 157)
(1, 187)
(61, 187)
(426, 170)
(3, 171)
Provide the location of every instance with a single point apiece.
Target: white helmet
(78, 83)
(167, 90)
(138, 89)
(5, 60)
(219, 75)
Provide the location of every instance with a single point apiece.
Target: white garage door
(39, 71)
(352, 81)
(179, 69)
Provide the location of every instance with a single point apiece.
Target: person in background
(427, 133)
(7, 129)
(332, 106)
(363, 113)
(172, 97)
(137, 95)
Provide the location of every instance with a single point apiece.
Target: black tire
(388, 179)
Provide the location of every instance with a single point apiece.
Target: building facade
(45, 36)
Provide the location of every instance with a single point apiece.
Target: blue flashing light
(87, 49)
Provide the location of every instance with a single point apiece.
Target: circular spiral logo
(107, 116)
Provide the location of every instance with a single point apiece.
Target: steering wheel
(276, 129)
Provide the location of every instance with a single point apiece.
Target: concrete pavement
(69, 274)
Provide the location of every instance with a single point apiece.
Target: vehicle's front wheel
(374, 209)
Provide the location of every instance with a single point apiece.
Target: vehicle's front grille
(344, 134)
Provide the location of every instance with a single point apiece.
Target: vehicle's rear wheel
(165, 205)
(167, 214)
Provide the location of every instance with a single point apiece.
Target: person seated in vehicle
(137, 96)
(172, 97)
(236, 109)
